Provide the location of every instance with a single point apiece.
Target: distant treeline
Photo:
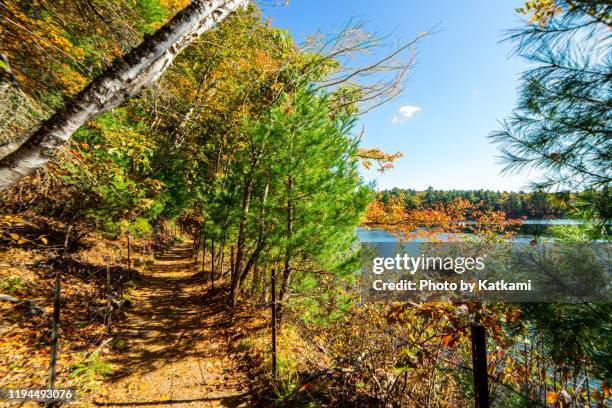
(514, 204)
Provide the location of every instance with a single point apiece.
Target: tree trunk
(246, 201)
(263, 299)
(250, 263)
(219, 252)
(212, 259)
(283, 295)
(256, 281)
(203, 251)
(232, 264)
(260, 238)
(222, 256)
(123, 79)
(195, 249)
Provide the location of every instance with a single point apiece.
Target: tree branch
(123, 79)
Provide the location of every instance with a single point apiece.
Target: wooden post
(54, 329)
(273, 323)
(108, 300)
(479, 366)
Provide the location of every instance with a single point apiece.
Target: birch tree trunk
(123, 79)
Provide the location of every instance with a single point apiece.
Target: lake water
(529, 227)
(527, 231)
(553, 222)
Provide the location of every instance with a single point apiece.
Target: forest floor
(175, 343)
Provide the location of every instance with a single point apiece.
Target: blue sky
(463, 83)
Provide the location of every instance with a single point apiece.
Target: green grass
(245, 345)
(90, 369)
(120, 344)
(12, 284)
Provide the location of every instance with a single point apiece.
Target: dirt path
(176, 350)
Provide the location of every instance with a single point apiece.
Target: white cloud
(405, 112)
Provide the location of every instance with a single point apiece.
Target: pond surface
(526, 232)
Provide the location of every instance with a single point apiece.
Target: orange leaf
(450, 340)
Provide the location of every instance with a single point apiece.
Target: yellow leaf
(15, 236)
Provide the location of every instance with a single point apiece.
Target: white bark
(123, 79)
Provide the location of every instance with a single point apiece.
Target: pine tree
(562, 122)
(305, 161)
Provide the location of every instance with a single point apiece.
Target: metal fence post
(479, 365)
(54, 329)
(274, 323)
(108, 300)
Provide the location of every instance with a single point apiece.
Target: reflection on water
(553, 222)
(525, 232)
(375, 235)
